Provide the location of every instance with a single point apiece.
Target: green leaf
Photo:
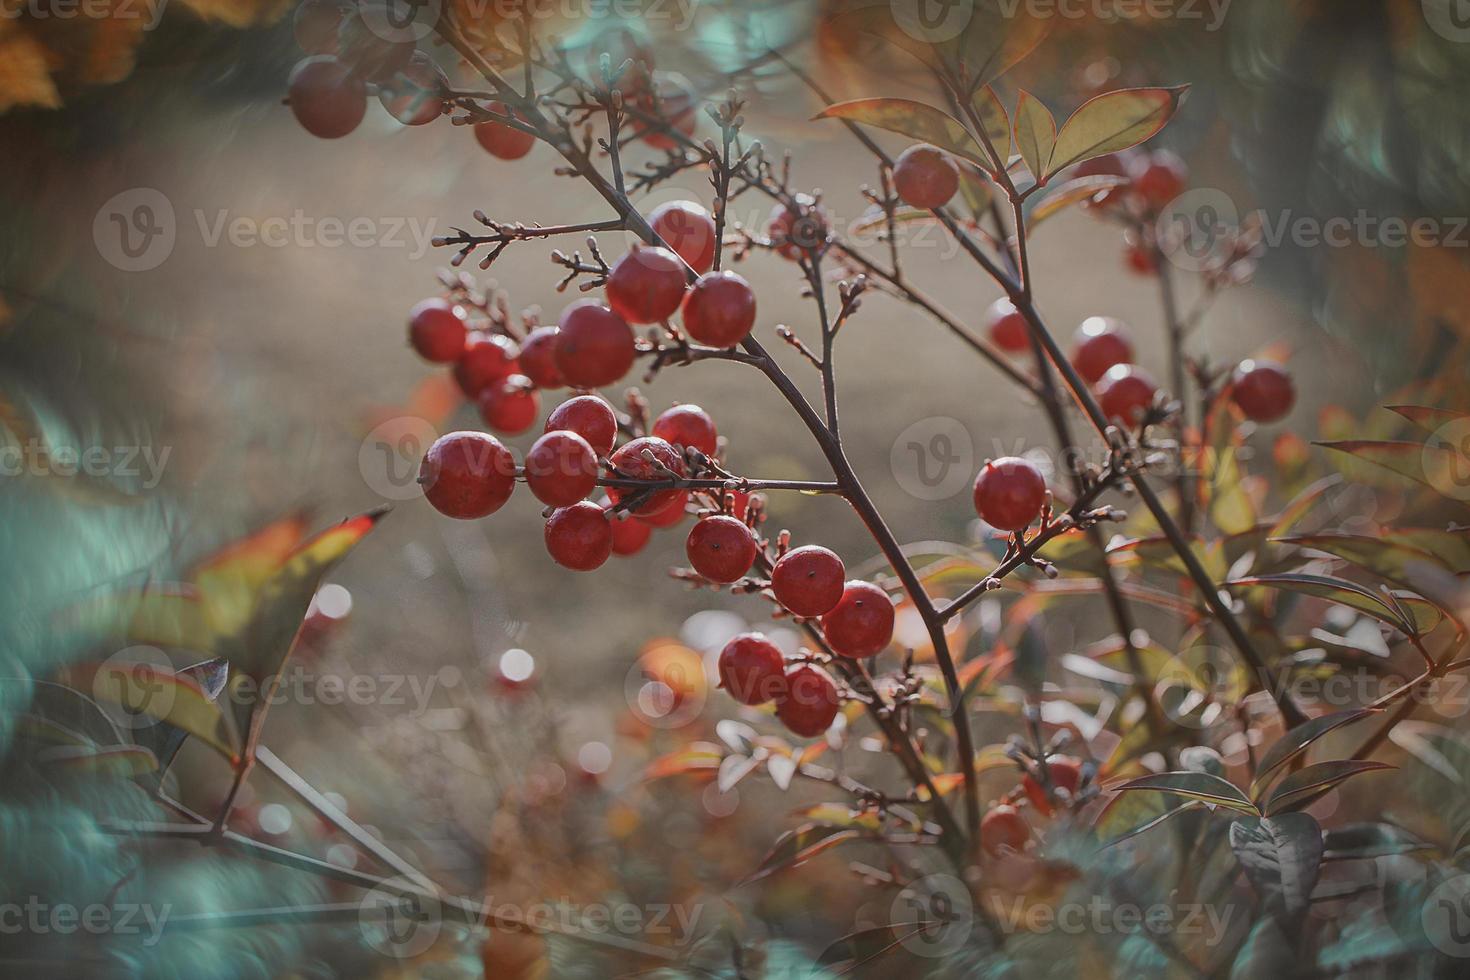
(1363, 841)
(1114, 121)
(915, 120)
(166, 698)
(1304, 786)
(1349, 594)
(798, 846)
(997, 123)
(1384, 557)
(1195, 786)
(1036, 134)
(1281, 856)
(1296, 741)
(1429, 419)
(1430, 464)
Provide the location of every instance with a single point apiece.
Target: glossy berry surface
(630, 535)
(1007, 327)
(437, 331)
(796, 229)
(561, 468)
(689, 230)
(861, 624)
(1262, 390)
(646, 285)
(502, 141)
(687, 425)
(415, 95)
(1009, 493)
(325, 97)
(720, 548)
(509, 405)
(672, 515)
(579, 537)
(752, 669)
(1159, 177)
(925, 177)
(1063, 772)
(720, 309)
(538, 358)
(809, 581)
(1125, 394)
(487, 358)
(467, 475)
(1100, 342)
(629, 460)
(590, 417)
(594, 346)
(1004, 828)
(808, 701)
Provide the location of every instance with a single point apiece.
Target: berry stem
(1179, 381)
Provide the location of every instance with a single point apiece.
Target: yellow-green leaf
(997, 123)
(1036, 134)
(1114, 121)
(166, 698)
(915, 120)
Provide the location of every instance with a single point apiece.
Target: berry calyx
(808, 701)
(720, 548)
(1062, 772)
(646, 285)
(925, 177)
(1126, 393)
(415, 95)
(510, 405)
(689, 230)
(861, 624)
(594, 346)
(630, 535)
(1100, 343)
(467, 475)
(437, 330)
(630, 460)
(325, 97)
(1009, 493)
(752, 669)
(720, 309)
(486, 359)
(1007, 326)
(1262, 390)
(588, 416)
(689, 426)
(561, 468)
(315, 26)
(579, 537)
(501, 140)
(1003, 828)
(1159, 177)
(538, 358)
(809, 581)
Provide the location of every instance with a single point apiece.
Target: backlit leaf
(915, 120)
(1036, 134)
(1302, 787)
(1296, 741)
(1195, 786)
(1113, 121)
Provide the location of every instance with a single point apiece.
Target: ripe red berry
(1263, 390)
(509, 405)
(579, 537)
(809, 580)
(561, 468)
(588, 416)
(925, 177)
(437, 330)
(594, 346)
(467, 475)
(720, 548)
(795, 229)
(503, 141)
(1008, 329)
(325, 97)
(371, 56)
(646, 285)
(752, 669)
(487, 358)
(1125, 393)
(1141, 259)
(687, 425)
(689, 230)
(1004, 828)
(720, 309)
(1063, 772)
(629, 533)
(1100, 342)
(808, 701)
(629, 459)
(1009, 493)
(315, 26)
(415, 95)
(674, 514)
(1159, 177)
(861, 624)
(1109, 165)
(538, 358)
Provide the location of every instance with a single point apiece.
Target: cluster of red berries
(1004, 827)
(1153, 179)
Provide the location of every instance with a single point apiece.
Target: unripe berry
(861, 624)
(590, 417)
(315, 26)
(415, 95)
(487, 358)
(579, 537)
(1262, 390)
(1125, 393)
(689, 230)
(467, 475)
(1004, 828)
(646, 285)
(510, 405)
(503, 141)
(720, 548)
(809, 580)
(925, 177)
(1100, 342)
(594, 346)
(808, 701)
(796, 229)
(629, 460)
(371, 56)
(538, 358)
(1063, 772)
(1009, 493)
(687, 425)
(325, 97)
(630, 534)
(436, 329)
(752, 669)
(720, 309)
(561, 468)
(672, 515)
(1159, 177)
(1007, 326)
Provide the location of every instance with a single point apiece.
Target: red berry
(1263, 390)
(675, 105)
(487, 358)
(720, 309)
(415, 95)
(510, 405)
(720, 548)
(437, 330)
(629, 533)
(588, 416)
(1008, 329)
(1063, 772)
(1004, 828)
(561, 468)
(371, 56)
(629, 459)
(809, 581)
(795, 229)
(1107, 165)
(1125, 393)
(738, 503)
(1100, 342)
(467, 475)
(675, 513)
(689, 230)
(1159, 177)
(1141, 259)
(501, 140)
(538, 358)
(925, 177)
(861, 624)
(315, 26)
(808, 701)
(325, 97)
(752, 669)
(687, 425)
(579, 537)
(646, 285)
(1009, 493)
(594, 346)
